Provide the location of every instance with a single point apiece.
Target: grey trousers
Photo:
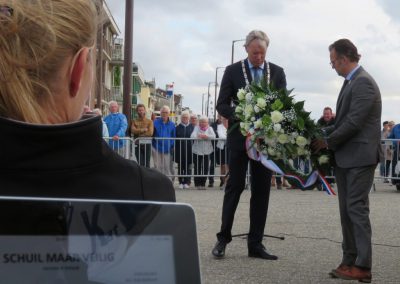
(354, 185)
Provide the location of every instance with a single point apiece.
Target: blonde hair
(35, 39)
(259, 35)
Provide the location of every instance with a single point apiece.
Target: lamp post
(233, 46)
(202, 104)
(215, 95)
(127, 100)
(208, 96)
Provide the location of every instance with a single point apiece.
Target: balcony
(117, 55)
(116, 94)
(106, 92)
(107, 48)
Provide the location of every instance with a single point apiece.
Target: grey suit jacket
(355, 136)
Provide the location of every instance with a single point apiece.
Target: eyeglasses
(333, 62)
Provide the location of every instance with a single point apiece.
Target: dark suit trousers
(260, 189)
(354, 185)
(142, 152)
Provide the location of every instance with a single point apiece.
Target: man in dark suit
(237, 76)
(355, 140)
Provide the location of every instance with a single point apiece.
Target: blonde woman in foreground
(47, 62)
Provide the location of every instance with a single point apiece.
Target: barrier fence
(187, 158)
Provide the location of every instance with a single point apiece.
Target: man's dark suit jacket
(232, 81)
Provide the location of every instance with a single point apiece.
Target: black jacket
(183, 148)
(72, 161)
(232, 81)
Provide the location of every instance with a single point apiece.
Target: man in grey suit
(355, 140)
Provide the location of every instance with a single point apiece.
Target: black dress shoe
(219, 249)
(261, 252)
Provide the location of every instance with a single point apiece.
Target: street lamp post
(215, 95)
(127, 100)
(208, 96)
(233, 46)
(202, 104)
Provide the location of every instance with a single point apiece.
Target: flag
(170, 90)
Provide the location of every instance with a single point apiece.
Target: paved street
(309, 222)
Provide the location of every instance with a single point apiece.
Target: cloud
(391, 7)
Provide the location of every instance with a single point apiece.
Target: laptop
(52, 240)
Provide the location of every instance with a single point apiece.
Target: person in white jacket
(201, 149)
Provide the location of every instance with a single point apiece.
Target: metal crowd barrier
(175, 157)
(122, 146)
(387, 168)
(183, 157)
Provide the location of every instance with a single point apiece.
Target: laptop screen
(44, 240)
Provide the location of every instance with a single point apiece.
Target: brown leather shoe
(340, 268)
(355, 273)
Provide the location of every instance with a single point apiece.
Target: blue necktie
(257, 76)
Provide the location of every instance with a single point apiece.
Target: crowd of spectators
(192, 144)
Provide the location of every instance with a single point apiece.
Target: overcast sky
(183, 41)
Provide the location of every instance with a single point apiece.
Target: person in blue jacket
(395, 134)
(117, 124)
(162, 149)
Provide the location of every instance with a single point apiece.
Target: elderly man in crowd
(183, 150)
(163, 148)
(117, 124)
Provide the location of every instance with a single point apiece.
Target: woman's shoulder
(156, 186)
(128, 177)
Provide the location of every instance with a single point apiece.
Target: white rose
(271, 151)
(241, 94)
(261, 103)
(271, 142)
(277, 127)
(247, 126)
(324, 159)
(283, 138)
(276, 116)
(256, 109)
(248, 110)
(249, 97)
(253, 118)
(258, 123)
(301, 141)
(238, 109)
(300, 151)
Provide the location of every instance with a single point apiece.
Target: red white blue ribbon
(269, 164)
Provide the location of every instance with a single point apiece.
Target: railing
(107, 47)
(195, 158)
(116, 93)
(106, 93)
(122, 146)
(387, 168)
